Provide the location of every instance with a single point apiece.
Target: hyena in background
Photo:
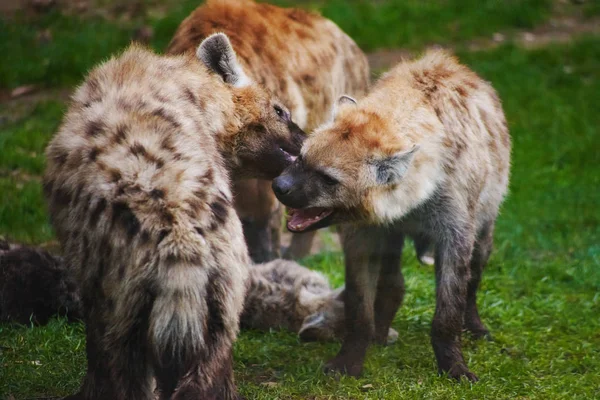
(283, 294)
(426, 153)
(301, 57)
(35, 285)
(139, 196)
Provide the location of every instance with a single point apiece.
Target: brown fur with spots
(425, 154)
(138, 187)
(301, 57)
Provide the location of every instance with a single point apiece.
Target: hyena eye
(328, 179)
(281, 113)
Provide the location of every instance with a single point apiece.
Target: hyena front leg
(362, 250)
(481, 254)
(390, 288)
(453, 252)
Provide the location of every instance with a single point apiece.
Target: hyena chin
(425, 154)
(138, 188)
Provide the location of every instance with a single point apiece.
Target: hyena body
(283, 294)
(139, 195)
(426, 153)
(301, 57)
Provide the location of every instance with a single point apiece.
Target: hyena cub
(139, 195)
(285, 295)
(426, 153)
(304, 59)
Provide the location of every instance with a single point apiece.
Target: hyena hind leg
(194, 384)
(479, 259)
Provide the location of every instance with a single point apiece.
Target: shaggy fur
(139, 194)
(304, 59)
(425, 154)
(286, 295)
(34, 286)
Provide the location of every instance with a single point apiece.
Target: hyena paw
(344, 365)
(479, 332)
(460, 371)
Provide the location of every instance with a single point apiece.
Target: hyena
(283, 294)
(301, 57)
(426, 153)
(35, 285)
(138, 185)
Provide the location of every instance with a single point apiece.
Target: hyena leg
(423, 249)
(194, 383)
(453, 252)
(97, 383)
(254, 204)
(479, 259)
(300, 245)
(362, 249)
(390, 288)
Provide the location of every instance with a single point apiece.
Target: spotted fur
(138, 187)
(301, 57)
(425, 154)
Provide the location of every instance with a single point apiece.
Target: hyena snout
(290, 188)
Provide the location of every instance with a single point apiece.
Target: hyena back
(139, 194)
(304, 59)
(425, 154)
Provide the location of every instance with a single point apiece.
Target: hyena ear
(217, 54)
(390, 170)
(343, 99)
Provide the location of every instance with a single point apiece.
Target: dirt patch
(558, 30)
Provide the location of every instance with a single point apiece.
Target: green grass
(540, 295)
(79, 43)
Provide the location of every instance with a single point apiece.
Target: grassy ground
(540, 294)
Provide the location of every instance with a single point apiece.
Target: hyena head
(326, 322)
(344, 165)
(262, 140)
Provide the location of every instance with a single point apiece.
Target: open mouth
(302, 220)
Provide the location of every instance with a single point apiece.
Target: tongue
(302, 219)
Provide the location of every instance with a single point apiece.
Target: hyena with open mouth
(426, 153)
(304, 59)
(138, 186)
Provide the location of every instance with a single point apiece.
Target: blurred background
(541, 293)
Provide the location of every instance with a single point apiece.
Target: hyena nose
(282, 185)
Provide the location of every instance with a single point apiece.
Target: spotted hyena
(426, 153)
(283, 294)
(304, 59)
(138, 185)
